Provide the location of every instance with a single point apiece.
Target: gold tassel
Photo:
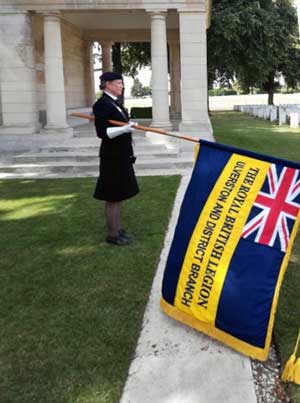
(288, 372)
(296, 375)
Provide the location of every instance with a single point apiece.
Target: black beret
(111, 76)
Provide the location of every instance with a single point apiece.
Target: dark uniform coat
(116, 181)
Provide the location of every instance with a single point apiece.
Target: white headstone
(294, 120)
(261, 111)
(267, 112)
(282, 117)
(273, 114)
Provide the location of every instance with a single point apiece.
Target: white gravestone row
(282, 114)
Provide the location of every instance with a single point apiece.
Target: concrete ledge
(68, 131)
(18, 130)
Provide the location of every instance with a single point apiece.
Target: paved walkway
(176, 364)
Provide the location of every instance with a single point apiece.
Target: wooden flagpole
(138, 127)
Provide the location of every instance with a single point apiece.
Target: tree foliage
(139, 90)
(135, 56)
(255, 42)
(128, 58)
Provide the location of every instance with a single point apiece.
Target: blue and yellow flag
(234, 235)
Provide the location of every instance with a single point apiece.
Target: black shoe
(124, 234)
(118, 240)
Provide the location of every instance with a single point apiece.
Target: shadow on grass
(71, 305)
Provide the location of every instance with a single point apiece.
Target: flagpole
(138, 127)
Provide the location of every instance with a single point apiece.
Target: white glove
(113, 132)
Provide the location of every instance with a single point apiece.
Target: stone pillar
(175, 78)
(17, 75)
(106, 56)
(193, 56)
(159, 62)
(89, 73)
(54, 76)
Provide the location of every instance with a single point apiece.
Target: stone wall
(17, 73)
(227, 102)
(74, 65)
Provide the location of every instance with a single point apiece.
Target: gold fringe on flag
(196, 151)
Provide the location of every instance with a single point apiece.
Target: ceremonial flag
(231, 246)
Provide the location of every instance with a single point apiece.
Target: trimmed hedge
(141, 113)
(221, 91)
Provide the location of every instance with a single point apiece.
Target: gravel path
(268, 386)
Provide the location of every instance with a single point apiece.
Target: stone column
(159, 62)
(175, 78)
(89, 73)
(106, 56)
(54, 76)
(17, 75)
(193, 56)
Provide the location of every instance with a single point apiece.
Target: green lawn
(71, 305)
(258, 135)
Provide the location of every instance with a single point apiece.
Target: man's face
(115, 87)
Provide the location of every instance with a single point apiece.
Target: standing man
(116, 181)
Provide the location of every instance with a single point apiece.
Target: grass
(71, 306)
(258, 135)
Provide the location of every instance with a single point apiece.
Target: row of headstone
(282, 114)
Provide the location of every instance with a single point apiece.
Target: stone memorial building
(46, 60)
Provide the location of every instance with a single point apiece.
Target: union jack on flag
(275, 209)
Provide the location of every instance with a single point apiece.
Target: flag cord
(297, 343)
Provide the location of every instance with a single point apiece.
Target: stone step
(67, 168)
(90, 136)
(94, 148)
(80, 156)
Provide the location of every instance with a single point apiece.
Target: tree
(138, 90)
(117, 57)
(128, 58)
(135, 56)
(255, 42)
